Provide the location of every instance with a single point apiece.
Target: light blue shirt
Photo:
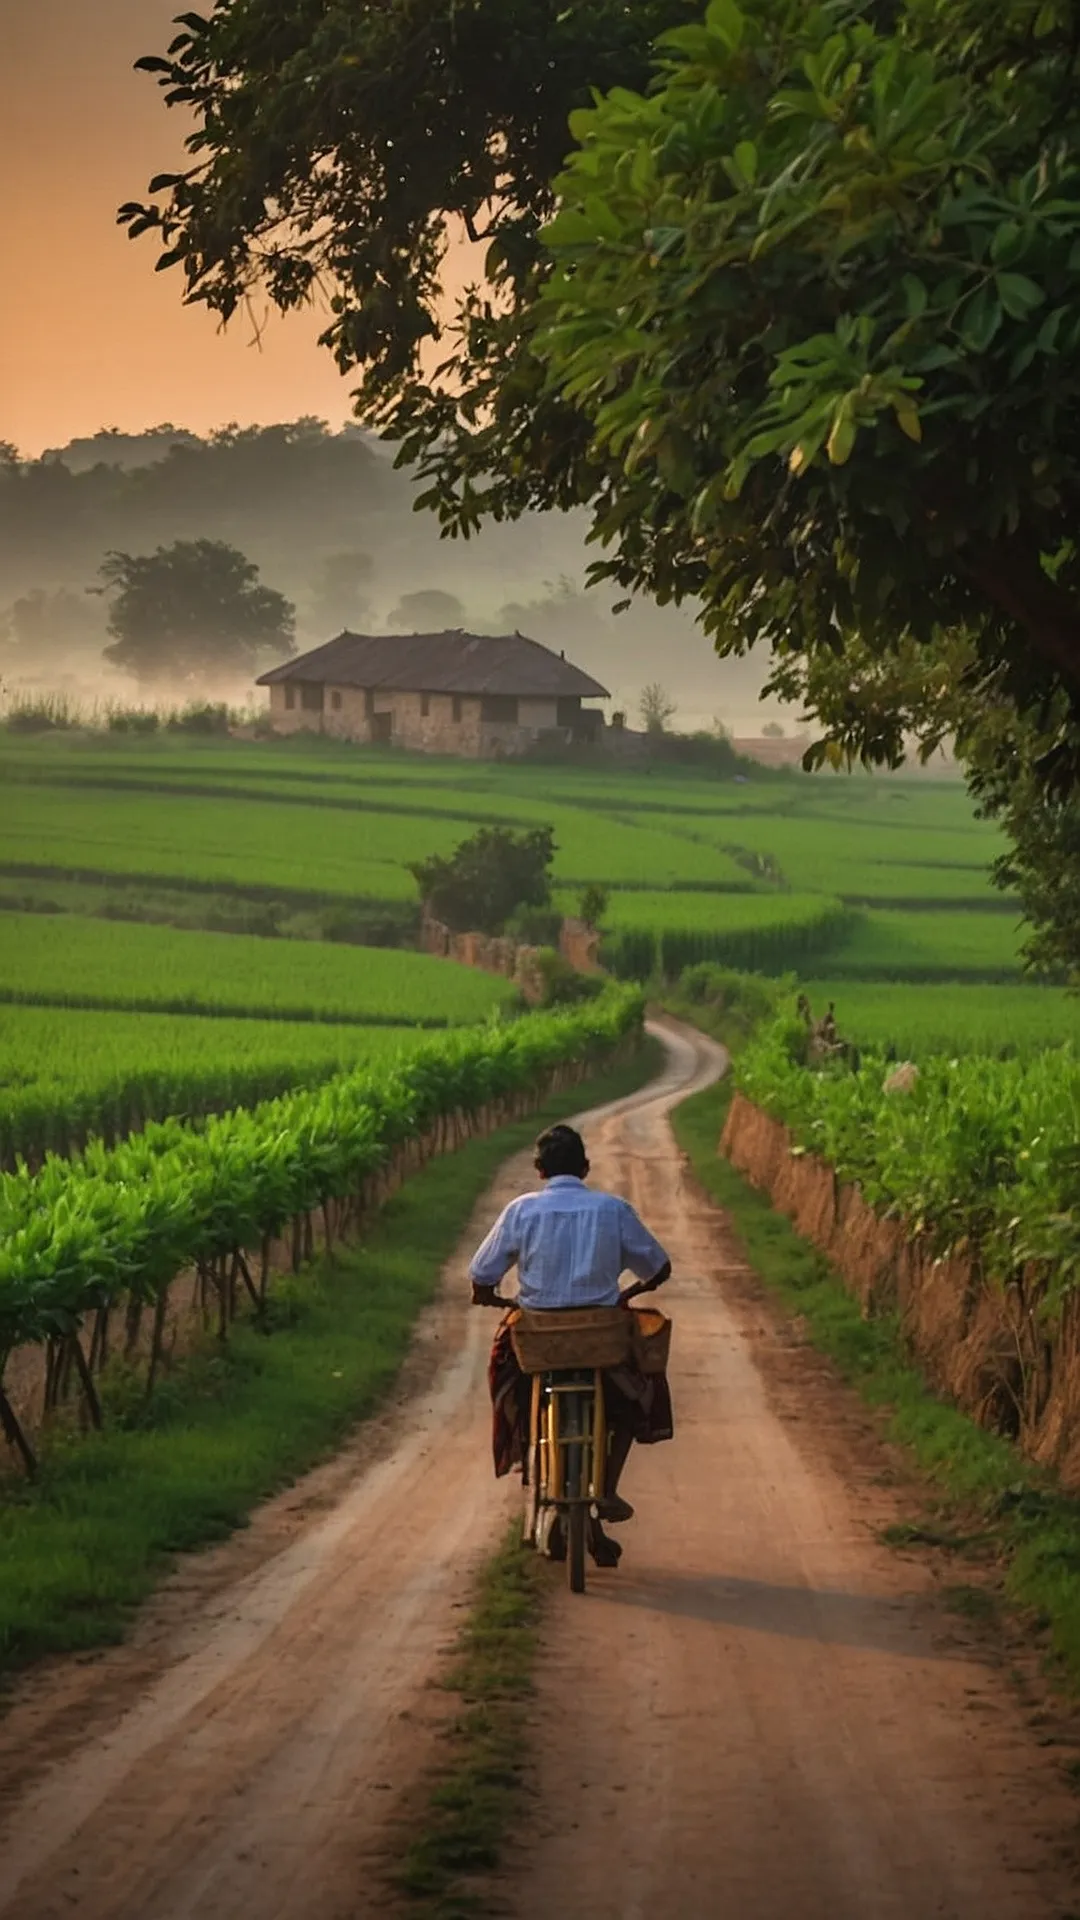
(570, 1245)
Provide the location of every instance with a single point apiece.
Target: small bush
(564, 986)
(47, 713)
(535, 926)
(211, 717)
(593, 905)
(133, 720)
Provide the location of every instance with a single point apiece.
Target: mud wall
(981, 1342)
(493, 953)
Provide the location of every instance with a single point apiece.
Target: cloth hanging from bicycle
(633, 1401)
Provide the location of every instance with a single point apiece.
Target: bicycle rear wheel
(575, 1413)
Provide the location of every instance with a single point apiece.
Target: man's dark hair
(560, 1150)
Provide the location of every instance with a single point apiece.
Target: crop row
(67, 960)
(980, 1154)
(116, 1226)
(762, 934)
(334, 850)
(67, 1074)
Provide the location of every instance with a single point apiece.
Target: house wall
(435, 731)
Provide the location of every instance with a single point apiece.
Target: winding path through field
(762, 1713)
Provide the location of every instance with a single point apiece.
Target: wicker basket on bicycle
(590, 1337)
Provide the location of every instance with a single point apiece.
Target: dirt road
(760, 1714)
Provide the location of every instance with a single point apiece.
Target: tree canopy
(193, 610)
(487, 879)
(805, 332)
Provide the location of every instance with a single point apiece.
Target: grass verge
(992, 1500)
(479, 1789)
(88, 1541)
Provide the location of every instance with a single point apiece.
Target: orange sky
(90, 336)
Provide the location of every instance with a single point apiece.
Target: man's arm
(642, 1254)
(493, 1259)
(647, 1286)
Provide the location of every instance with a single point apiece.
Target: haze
(96, 339)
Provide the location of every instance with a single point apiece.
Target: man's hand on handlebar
(488, 1296)
(646, 1286)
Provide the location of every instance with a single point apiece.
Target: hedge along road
(760, 1713)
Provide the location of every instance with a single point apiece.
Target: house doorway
(382, 728)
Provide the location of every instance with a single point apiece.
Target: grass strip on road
(1008, 1508)
(88, 1541)
(479, 1790)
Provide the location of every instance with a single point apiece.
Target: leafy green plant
(979, 1155)
(83, 1236)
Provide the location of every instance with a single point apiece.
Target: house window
(290, 698)
(458, 708)
(311, 696)
(499, 707)
(335, 700)
(425, 705)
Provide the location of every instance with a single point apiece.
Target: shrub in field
(45, 713)
(535, 926)
(113, 1229)
(133, 720)
(563, 985)
(201, 717)
(487, 878)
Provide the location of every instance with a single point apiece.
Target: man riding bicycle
(570, 1244)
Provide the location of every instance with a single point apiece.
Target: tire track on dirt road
(762, 1713)
(257, 1772)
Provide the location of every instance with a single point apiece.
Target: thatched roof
(453, 662)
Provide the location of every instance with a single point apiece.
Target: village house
(478, 695)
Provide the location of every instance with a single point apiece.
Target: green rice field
(878, 891)
(915, 1021)
(65, 960)
(68, 1073)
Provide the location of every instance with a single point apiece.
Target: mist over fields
(330, 523)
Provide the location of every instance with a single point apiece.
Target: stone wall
(424, 723)
(493, 953)
(981, 1343)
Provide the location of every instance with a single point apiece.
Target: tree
(806, 336)
(815, 313)
(342, 148)
(192, 611)
(593, 906)
(428, 610)
(340, 597)
(772, 730)
(44, 629)
(656, 708)
(487, 878)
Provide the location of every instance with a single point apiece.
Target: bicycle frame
(568, 1452)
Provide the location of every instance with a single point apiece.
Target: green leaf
(727, 21)
(916, 297)
(982, 318)
(1018, 295)
(746, 159)
(841, 440)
